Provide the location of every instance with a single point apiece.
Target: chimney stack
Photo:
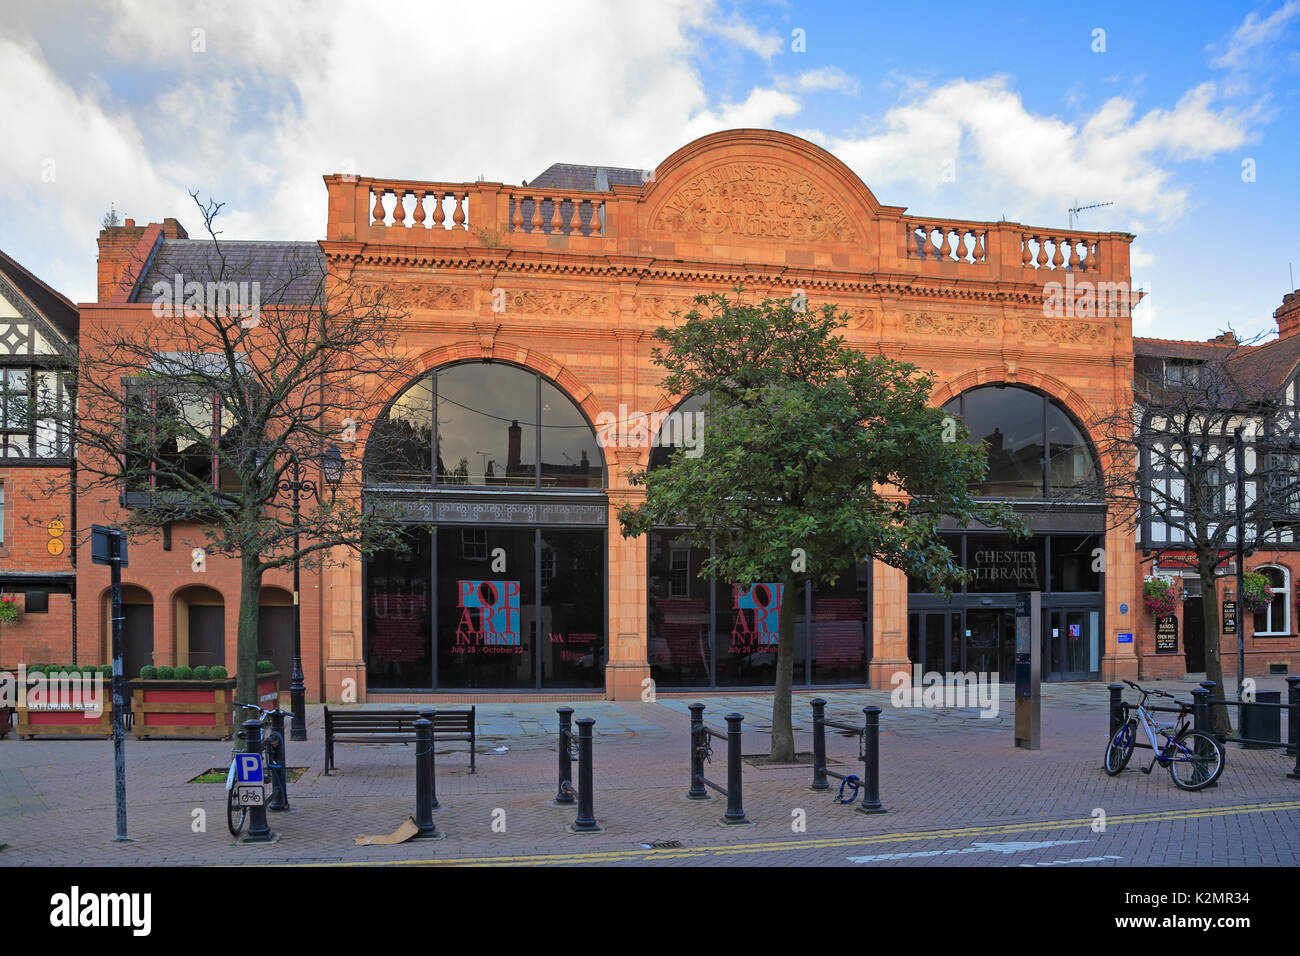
(117, 252)
(1288, 316)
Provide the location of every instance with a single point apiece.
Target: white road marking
(1003, 848)
(1080, 859)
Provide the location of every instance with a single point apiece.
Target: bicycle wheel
(1195, 760)
(1120, 748)
(235, 814)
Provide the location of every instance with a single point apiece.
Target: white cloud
(1031, 167)
(823, 78)
(1256, 32)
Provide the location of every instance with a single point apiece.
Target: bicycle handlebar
(1158, 693)
(264, 712)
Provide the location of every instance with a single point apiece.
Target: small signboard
(107, 545)
(1229, 617)
(248, 768)
(1126, 637)
(1076, 630)
(1167, 634)
(250, 794)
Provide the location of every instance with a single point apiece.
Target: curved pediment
(751, 184)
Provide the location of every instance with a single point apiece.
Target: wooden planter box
(192, 708)
(64, 723)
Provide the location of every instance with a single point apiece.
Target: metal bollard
(258, 830)
(735, 807)
(1116, 708)
(871, 762)
(697, 791)
(426, 713)
(819, 745)
(585, 822)
(1201, 710)
(423, 781)
(1293, 721)
(564, 794)
(279, 776)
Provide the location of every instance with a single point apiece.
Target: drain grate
(662, 845)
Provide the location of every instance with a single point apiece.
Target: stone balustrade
(957, 242)
(420, 206)
(554, 212)
(1077, 252)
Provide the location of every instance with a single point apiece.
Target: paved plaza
(955, 789)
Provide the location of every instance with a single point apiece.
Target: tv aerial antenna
(1076, 208)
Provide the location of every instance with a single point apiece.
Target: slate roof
(1257, 368)
(289, 273)
(587, 178)
(55, 306)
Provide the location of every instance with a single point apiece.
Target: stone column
(626, 669)
(888, 625)
(1120, 661)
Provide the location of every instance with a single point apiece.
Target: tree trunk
(250, 599)
(1222, 722)
(782, 723)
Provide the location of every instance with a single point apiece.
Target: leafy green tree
(815, 456)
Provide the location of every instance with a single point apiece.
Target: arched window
(1035, 447)
(1276, 618)
(484, 424)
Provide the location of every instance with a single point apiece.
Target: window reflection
(1034, 447)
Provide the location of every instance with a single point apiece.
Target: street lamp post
(332, 469)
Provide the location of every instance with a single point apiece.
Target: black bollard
(564, 793)
(586, 819)
(1116, 708)
(1201, 710)
(423, 781)
(819, 745)
(1293, 721)
(697, 791)
(426, 713)
(871, 762)
(279, 774)
(735, 806)
(258, 830)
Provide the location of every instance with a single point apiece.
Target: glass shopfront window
(677, 625)
(573, 608)
(839, 628)
(487, 614)
(399, 614)
(999, 564)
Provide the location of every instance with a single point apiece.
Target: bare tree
(1174, 472)
(195, 415)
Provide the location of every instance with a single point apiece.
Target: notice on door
(1167, 634)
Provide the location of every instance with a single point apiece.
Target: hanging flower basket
(1255, 591)
(9, 609)
(1158, 597)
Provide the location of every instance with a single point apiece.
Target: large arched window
(1035, 447)
(484, 424)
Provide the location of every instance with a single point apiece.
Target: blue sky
(135, 103)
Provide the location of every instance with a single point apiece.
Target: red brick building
(530, 315)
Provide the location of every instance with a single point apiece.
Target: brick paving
(957, 793)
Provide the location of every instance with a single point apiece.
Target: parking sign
(248, 768)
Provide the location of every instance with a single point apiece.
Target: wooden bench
(393, 726)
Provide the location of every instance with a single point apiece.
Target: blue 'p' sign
(248, 768)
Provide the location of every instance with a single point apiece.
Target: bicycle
(273, 751)
(1198, 756)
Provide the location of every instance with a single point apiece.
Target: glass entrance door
(934, 640)
(1070, 644)
(991, 641)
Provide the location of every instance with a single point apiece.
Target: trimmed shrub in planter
(178, 702)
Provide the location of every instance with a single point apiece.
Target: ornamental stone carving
(1063, 330)
(930, 323)
(756, 200)
(557, 303)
